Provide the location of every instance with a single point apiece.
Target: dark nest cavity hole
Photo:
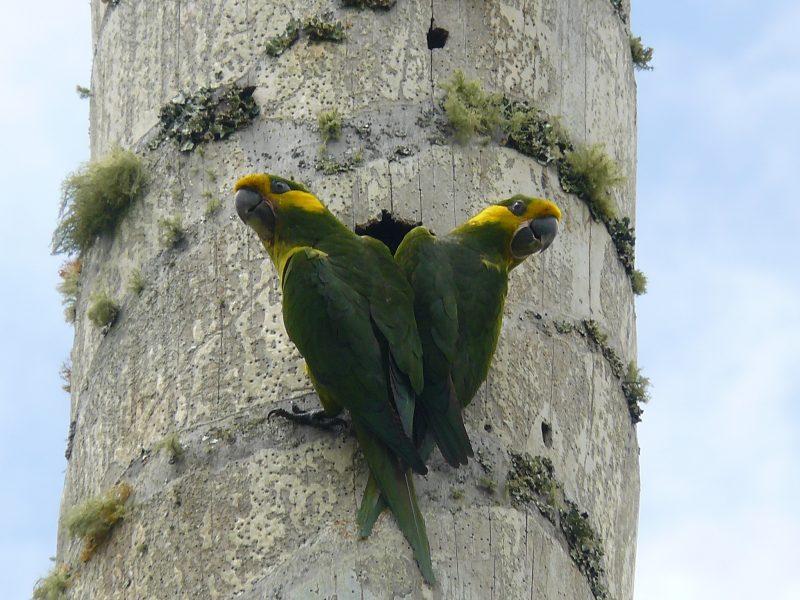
(437, 37)
(387, 229)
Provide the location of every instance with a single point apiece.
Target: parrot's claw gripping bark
(313, 418)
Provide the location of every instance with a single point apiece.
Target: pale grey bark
(263, 509)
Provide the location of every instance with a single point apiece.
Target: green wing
(392, 307)
(426, 264)
(482, 285)
(331, 316)
(330, 323)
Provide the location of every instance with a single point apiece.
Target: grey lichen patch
(207, 115)
(69, 288)
(170, 231)
(54, 585)
(95, 198)
(636, 388)
(280, 43)
(634, 384)
(103, 310)
(600, 338)
(487, 484)
(564, 327)
(624, 239)
(73, 426)
(213, 205)
(482, 458)
(324, 29)
(93, 520)
(641, 54)
(331, 166)
(469, 109)
(171, 443)
(136, 282)
(225, 434)
(534, 133)
(532, 480)
(619, 8)
(373, 4)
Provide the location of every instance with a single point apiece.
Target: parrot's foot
(313, 418)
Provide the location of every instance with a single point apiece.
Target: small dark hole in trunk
(437, 37)
(386, 229)
(547, 434)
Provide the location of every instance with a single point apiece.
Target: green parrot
(460, 282)
(349, 310)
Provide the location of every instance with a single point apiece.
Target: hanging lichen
(635, 387)
(641, 54)
(207, 115)
(470, 110)
(70, 273)
(54, 586)
(93, 519)
(103, 310)
(95, 198)
(329, 123)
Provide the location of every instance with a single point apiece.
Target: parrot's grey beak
(544, 230)
(255, 211)
(534, 237)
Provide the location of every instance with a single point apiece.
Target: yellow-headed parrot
(349, 310)
(460, 282)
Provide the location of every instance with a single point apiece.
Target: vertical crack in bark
(391, 190)
(178, 50)
(533, 553)
(221, 321)
(585, 74)
(491, 551)
(591, 413)
(419, 188)
(430, 54)
(453, 193)
(455, 546)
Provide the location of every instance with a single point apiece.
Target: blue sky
(718, 215)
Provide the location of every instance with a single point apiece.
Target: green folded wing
(330, 322)
(426, 264)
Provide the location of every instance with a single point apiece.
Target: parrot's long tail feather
(396, 484)
(442, 413)
(372, 505)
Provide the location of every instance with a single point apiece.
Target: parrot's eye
(278, 187)
(517, 208)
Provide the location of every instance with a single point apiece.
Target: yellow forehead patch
(496, 214)
(539, 207)
(256, 181)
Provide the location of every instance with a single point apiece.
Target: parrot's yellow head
(524, 225)
(264, 202)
